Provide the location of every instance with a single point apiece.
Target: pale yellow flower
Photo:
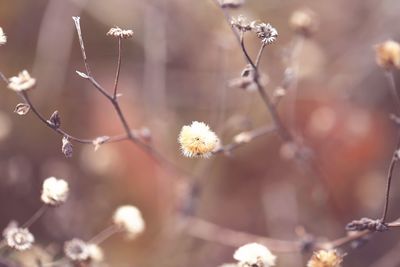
(324, 258)
(388, 54)
(197, 140)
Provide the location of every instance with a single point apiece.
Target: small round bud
(303, 22)
(99, 141)
(54, 191)
(241, 23)
(129, 219)
(388, 54)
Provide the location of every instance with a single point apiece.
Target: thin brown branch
(35, 216)
(250, 136)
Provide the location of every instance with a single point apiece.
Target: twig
(118, 68)
(103, 235)
(35, 216)
(251, 135)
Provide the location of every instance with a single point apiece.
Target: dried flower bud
(120, 33)
(303, 22)
(388, 54)
(55, 120)
(278, 93)
(325, 258)
(66, 147)
(246, 81)
(265, 32)
(22, 82)
(3, 37)
(54, 191)
(22, 109)
(76, 250)
(254, 255)
(243, 137)
(129, 219)
(241, 23)
(231, 3)
(197, 140)
(18, 238)
(367, 224)
(99, 141)
(145, 134)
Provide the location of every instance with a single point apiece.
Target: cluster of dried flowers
(127, 219)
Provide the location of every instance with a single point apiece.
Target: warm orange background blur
(174, 71)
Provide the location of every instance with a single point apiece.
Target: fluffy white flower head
(3, 37)
(22, 82)
(129, 219)
(254, 254)
(197, 140)
(54, 191)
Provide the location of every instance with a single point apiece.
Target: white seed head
(129, 218)
(254, 255)
(18, 238)
(3, 37)
(95, 253)
(76, 250)
(120, 33)
(22, 82)
(197, 140)
(231, 3)
(54, 191)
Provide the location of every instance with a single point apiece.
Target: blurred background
(175, 70)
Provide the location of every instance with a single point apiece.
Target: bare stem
(35, 216)
(104, 234)
(392, 83)
(389, 181)
(118, 68)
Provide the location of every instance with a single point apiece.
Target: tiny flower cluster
(17, 237)
(264, 31)
(120, 33)
(129, 219)
(78, 250)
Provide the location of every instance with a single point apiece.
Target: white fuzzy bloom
(197, 140)
(54, 191)
(18, 238)
(22, 82)
(129, 219)
(3, 37)
(95, 253)
(254, 254)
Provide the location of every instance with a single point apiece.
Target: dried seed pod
(66, 147)
(55, 120)
(22, 109)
